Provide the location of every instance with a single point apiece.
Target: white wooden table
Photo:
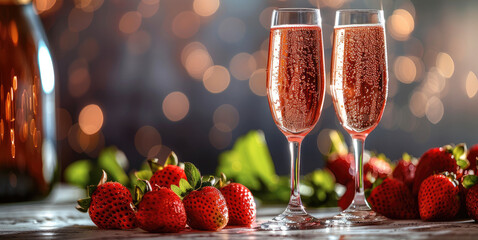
(56, 218)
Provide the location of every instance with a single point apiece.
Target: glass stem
(359, 199)
(295, 203)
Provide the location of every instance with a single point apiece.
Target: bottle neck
(15, 2)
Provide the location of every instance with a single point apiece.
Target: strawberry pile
(441, 185)
(172, 198)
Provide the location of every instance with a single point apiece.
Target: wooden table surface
(56, 218)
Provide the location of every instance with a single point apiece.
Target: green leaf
(469, 181)
(78, 173)
(114, 161)
(177, 190)
(406, 157)
(206, 184)
(91, 189)
(249, 163)
(138, 195)
(193, 175)
(172, 159)
(183, 189)
(459, 153)
(83, 204)
(154, 165)
(144, 174)
(337, 143)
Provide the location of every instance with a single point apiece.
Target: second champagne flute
(358, 86)
(295, 90)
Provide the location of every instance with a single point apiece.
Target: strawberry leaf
(138, 195)
(206, 184)
(154, 165)
(172, 159)
(177, 190)
(193, 175)
(83, 204)
(469, 181)
(459, 153)
(91, 189)
(143, 174)
(337, 144)
(183, 189)
(185, 186)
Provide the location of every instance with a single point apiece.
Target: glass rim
(296, 10)
(360, 10)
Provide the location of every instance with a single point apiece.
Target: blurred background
(152, 75)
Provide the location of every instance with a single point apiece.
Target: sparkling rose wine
(295, 83)
(359, 76)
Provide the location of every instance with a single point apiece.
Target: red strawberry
(206, 208)
(438, 198)
(473, 158)
(393, 199)
(160, 210)
(470, 183)
(405, 170)
(377, 167)
(240, 202)
(109, 205)
(437, 160)
(346, 199)
(167, 175)
(339, 161)
(341, 167)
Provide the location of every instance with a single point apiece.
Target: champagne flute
(295, 90)
(359, 91)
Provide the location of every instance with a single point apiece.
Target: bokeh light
(145, 139)
(44, 5)
(232, 30)
(89, 5)
(186, 24)
(323, 141)
(130, 22)
(242, 65)
(405, 69)
(175, 106)
(434, 110)
(257, 82)
(148, 8)
(79, 82)
(91, 119)
(471, 85)
(196, 60)
(205, 8)
(265, 17)
(216, 79)
(79, 20)
(434, 82)
(226, 118)
(219, 139)
(401, 24)
(445, 65)
(417, 104)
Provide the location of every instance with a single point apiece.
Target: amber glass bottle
(28, 156)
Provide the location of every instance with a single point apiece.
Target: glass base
(356, 216)
(292, 220)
